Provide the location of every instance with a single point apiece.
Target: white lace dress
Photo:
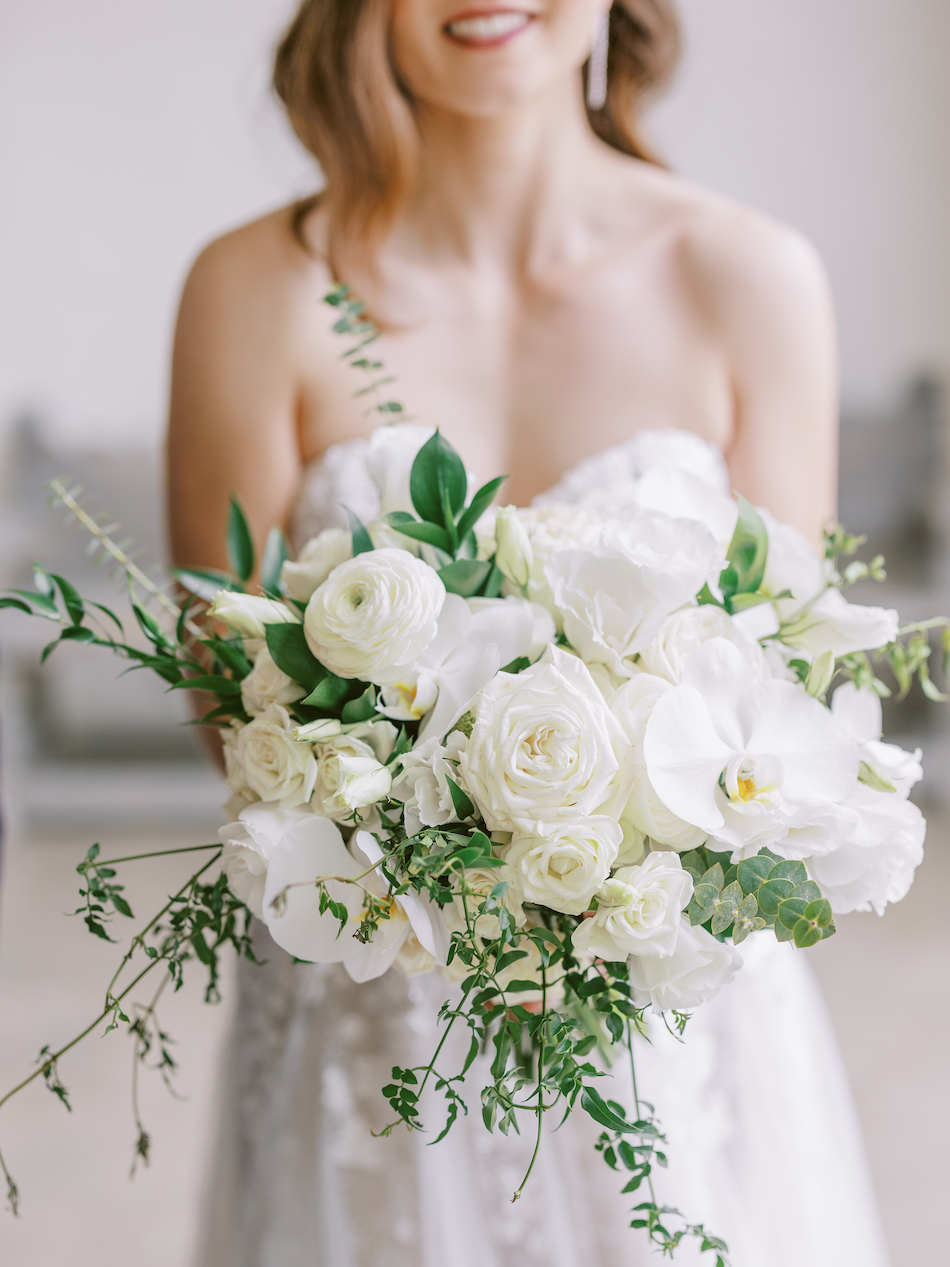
(763, 1142)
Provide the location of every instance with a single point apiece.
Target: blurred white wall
(130, 134)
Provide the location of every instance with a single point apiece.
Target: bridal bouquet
(570, 757)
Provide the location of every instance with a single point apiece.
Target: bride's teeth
(488, 26)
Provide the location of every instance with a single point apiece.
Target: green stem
(135, 857)
(541, 1105)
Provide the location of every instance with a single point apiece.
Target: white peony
(247, 614)
(639, 911)
(686, 631)
(265, 757)
(614, 599)
(476, 637)
(544, 747)
(422, 783)
(374, 616)
(266, 685)
(249, 845)
(315, 562)
(695, 973)
(644, 813)
(752, 763)
(564, 866)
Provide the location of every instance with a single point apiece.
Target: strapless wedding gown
(763, 1143)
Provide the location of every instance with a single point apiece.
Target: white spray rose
(614, 599)
(644, 813)
(266, 685)
(374, 616)
(566, 865)
(270, 760)
(696, 971)
(544, 747)
(639, 911)
(249, 845)
(514, 554)
(350, 770)
(423, 782)
(315, 562)
(686, 631)
(247, 614)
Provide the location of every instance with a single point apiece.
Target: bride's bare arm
(234, 393)
(770, 302)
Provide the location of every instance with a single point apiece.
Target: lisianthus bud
(247, 614)
(514, 554)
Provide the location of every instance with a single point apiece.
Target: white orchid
(752, 763)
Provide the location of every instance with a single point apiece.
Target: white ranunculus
(639, 911)
(876, 864)
(374, 616)
(266, 685)
(565, 865)
(752, 763)
(247, 614)
(315, 562)
(613, 600)
(249, 845)
(632, 704)
(544, 747)
(422, 783)
(687, 630)
(514, 554)
(479, 883)
(270, 761)
(829, 624)
(696, 971)
(476, 637)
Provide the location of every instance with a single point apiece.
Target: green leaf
(432, 534)
(772, 894)
(753, 872)
(205, 583)
(152, 629)
(479, 504)
(747, 554)
(599, 1110)
(289, 651)
(496, 579)
(437, 467)
(465, 577)
(17, 604)
(362, 708)
(43, 601)
(71, 600)
(516, 666)
(706, 598)
(463, 805)
(820, 675)
(240, 543)
(745, 602)
(78, 633)
(329, 693)
(215, 682)
(362, 541)
(276, 553)
(789, 870)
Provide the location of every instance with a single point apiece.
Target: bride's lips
(487, 28)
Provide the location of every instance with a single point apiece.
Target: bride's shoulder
(739, 262)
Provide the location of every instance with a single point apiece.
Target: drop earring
(597, 66)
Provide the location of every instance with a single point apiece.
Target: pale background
(129, 136)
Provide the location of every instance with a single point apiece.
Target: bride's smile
(487, 28)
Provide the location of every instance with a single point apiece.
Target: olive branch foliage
(536, 1051)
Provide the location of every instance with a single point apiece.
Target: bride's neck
(504, 190)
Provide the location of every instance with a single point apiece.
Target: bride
(547, 292)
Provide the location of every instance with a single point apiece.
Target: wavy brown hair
(336, 76)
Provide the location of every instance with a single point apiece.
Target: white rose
(271, 761)
(315, 562)
(266, 685)
(639, 911)
(350, 775)
(687, 630)
(568, 864)
(696, 971)
(413, 959)
(247, 614)
(374, 616)
(423, 782)
(544, 747)
(479, 883)
(632, 704)
(613, 599)
(514, 554)
(249, 845)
